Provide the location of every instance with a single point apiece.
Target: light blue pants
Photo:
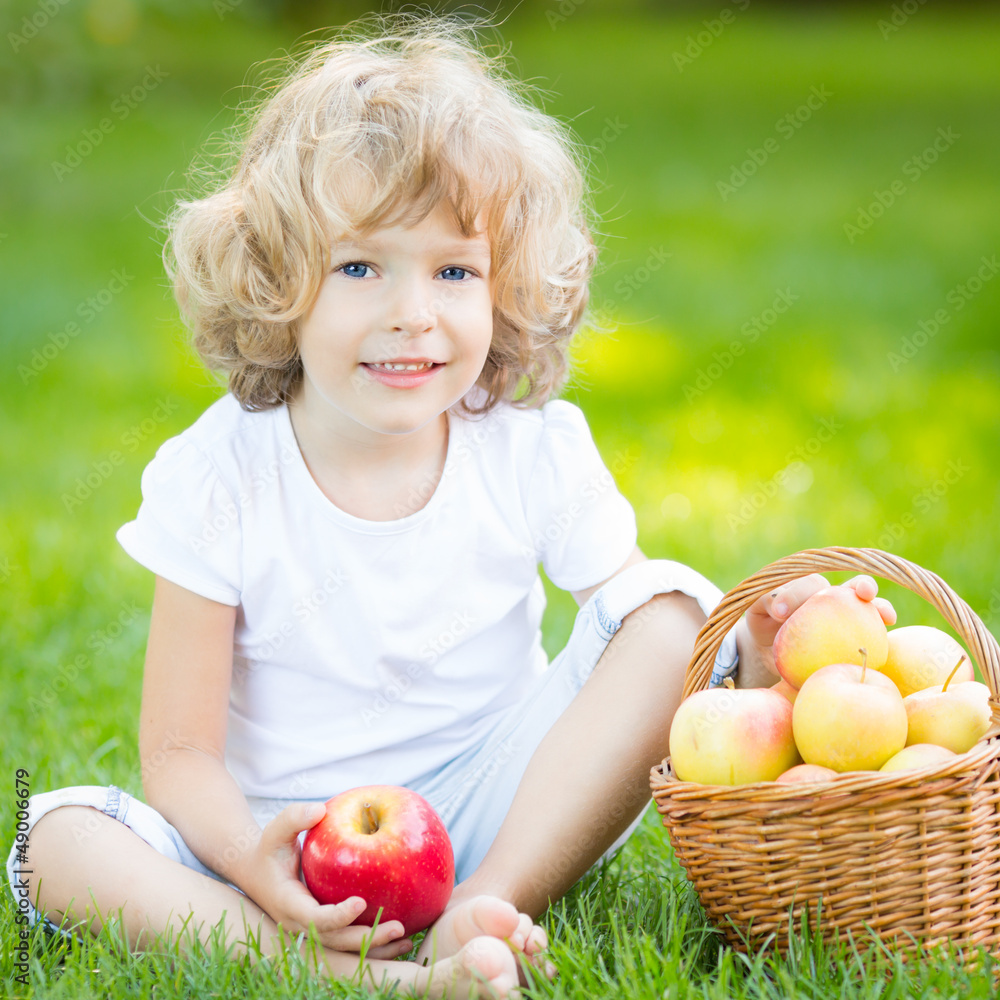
(471, 793)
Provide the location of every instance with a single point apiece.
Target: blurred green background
(725, 195)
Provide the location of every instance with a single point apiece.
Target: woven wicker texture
(911, 855)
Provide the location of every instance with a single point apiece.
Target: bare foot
(486, 916)
(483, 967)
(531, 940)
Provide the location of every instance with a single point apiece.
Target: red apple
(388, 846)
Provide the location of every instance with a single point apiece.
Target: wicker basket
(913, 857)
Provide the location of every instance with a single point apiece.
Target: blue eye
(352, 270)
(461, 272)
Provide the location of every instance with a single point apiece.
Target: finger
(332, 917)
(864, 586)
(393, 950)
(327, 919)
(780, 603)
(792, 596)
(292, 820)
(385, 933)
(886, 610)
(354, 938)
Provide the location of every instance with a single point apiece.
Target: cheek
(329, 336)
(473, 316)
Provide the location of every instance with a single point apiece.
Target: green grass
(76, 608)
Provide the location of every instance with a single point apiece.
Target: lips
(403, 374)
(399, 366)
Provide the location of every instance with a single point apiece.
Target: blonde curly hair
(377, 127)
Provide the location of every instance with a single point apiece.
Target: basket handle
(922, 582)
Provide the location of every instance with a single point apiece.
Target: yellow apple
(806, 772)
(917, 755)
(786, 689)
(830, 627)
(921, 656)
(849, 718)
(725, 736)
(955, 716)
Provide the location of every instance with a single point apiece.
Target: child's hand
(270, 873)
(756, 632)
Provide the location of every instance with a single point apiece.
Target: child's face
(399, 296)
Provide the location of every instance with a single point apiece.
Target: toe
(493, 916)
(519, 939)
(537, 940)
(490, 960)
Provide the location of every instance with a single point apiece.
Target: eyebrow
(476, 247)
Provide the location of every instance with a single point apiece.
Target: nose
(412, 309)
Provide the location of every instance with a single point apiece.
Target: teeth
(390, 367)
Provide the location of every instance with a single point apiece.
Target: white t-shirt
(375, 651)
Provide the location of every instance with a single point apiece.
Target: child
(346, 545)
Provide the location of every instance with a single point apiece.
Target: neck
(336, 448)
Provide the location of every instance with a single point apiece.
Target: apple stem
(728, 683)
(864, 662)
(371, 821)
(954, 670)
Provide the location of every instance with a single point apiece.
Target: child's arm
(182, 734)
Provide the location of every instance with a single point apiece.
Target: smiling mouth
(396, 366)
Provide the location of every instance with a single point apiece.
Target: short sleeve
(583, 528)
(187, 529)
